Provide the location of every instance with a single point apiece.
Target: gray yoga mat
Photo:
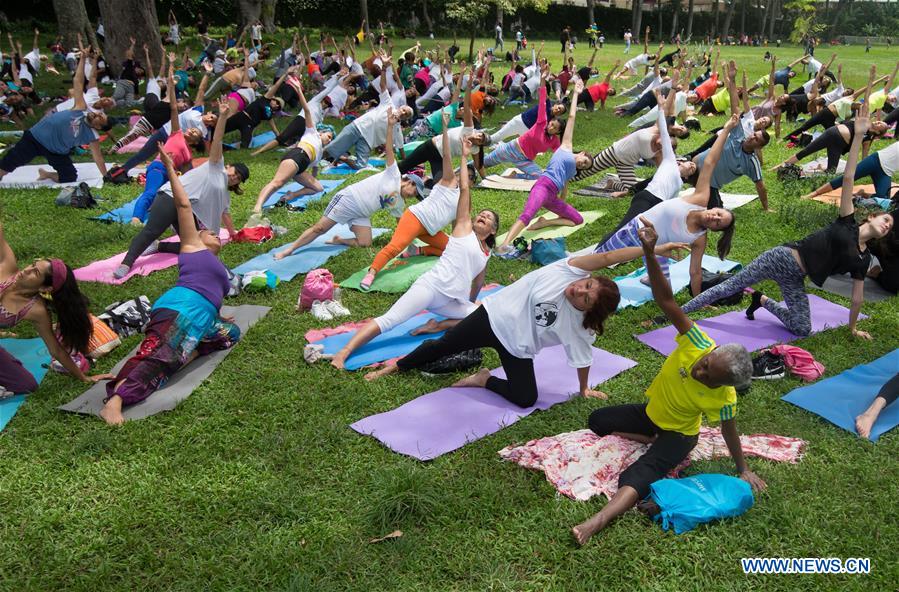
(180, 387)
(841, 285)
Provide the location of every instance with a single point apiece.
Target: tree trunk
(764, 16)
(474, 31)
(773, 18)
(425, 16)
(363, 7)
(268, 15)
(637, 19)
(742, 18)
(728, 17)
(660, 32)
(675, 7)
(124, 19)
(590, 17)
(499, 15)
(250, 12)
(71, 16)
(689, 20)
(716, 11)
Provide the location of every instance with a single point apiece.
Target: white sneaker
(313, 352)
(336, 309)
(320, 311)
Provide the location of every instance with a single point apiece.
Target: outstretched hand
(754, 480)
(732, 122)
(648, 235)
(164, 157)
(224, 107)
(671, 249)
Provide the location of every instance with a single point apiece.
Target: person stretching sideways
(451, 286)
(697, 378)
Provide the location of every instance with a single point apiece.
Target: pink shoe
(367, 281)
(411, 251)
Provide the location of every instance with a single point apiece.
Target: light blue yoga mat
(635, 293)
(392, 344)
(839, 399)
(121, 214)
(329, 185)
(34, 355)
(257, 141)
(344, 169)
(303, 260)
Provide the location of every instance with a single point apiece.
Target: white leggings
(421, 296)
(513, 127)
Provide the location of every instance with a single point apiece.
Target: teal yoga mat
(34, 356)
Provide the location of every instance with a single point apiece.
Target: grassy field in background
(257, 482)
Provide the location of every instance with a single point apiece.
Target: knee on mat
(68, 175)
(527, 399)
(802, 328)
(576, 218)
(363, 242)
(599, 422)
(24, 384)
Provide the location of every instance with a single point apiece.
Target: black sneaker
(768, 366)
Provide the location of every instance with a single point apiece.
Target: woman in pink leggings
(550, 189)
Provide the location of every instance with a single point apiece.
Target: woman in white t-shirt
(559, 304)
(451, 286)
(298, 162)
(355, 205)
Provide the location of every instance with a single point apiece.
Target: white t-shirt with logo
(357, 203)
(534, 313)
(438, 209)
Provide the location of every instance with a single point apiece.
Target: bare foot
(582, 532)
(478, 379)
(334, 240)
(44, 174)
(112, 411)
(538, 223)
(282, 254)
(863, 425)
(390, 369)
(339, 358)
(430, 327)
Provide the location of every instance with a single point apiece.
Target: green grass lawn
(257, 482)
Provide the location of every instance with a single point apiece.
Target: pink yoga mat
(766, 330)
(445, 420)
(132, 146)
(101, 271)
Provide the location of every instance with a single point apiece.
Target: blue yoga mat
(303, 260)
(392, 344)
(839, 399)
(328, 184)
(635, 293)
(344, 169)
(34, 356)
(257, 141)
(121, 214)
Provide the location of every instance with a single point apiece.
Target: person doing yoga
(521, 152)
(697, 378)
(356, 204)
(880, 166)
(37, 293)
(836, 141)
(551, 188)
(185, 322)
(452, 285)
(886, 396)
(841, 247)
(559, 304)
(298, 163)
(680, 220)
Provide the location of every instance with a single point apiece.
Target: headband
(58, 274)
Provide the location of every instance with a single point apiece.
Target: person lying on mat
(551, 188)
(299, 162)
(887, 394)
(37, 293)
(208, 187)
(175, 146)
(185, 321)
(559, 304)
(697, 378)
(356, 204)
(681, 220)
(841, 247)
(452, 285)
(55, 136)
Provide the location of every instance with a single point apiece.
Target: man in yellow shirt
(697, 379)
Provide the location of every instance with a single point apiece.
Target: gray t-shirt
(207, 189)
(734, 161)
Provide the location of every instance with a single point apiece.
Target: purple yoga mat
(445, 420)
(764, 331)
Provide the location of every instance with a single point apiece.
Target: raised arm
(745, 90)
(646, 40)
(612, 70)
(392, 120)
(862, 124)
(187, 228)
(568, 137)
(462, 225)
(77, 86)
(173, 101)
(732, 88)
(273, 89)
(7, 257)
(661, 289)
(711, 161)
(200, 100)
(215, 148)
(770, 94)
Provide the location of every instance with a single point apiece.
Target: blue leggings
(869, 167)
(157, 176)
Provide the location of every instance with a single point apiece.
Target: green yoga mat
(556, 231)
(398, 276)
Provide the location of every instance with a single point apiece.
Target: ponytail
(727, 238)
(70, 307)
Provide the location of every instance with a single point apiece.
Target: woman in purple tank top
(185, 322)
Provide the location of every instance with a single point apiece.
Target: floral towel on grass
(581, 465)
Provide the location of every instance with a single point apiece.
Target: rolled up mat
(440, 422)
(303, 260)
(328, 184)
(398, 276)
(556, 231)
(841, 398)
(35, 358)
(764, 331)
(634, 292)
(182, 384)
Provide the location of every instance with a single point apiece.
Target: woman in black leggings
(560, 304)
(887, 394)
(836, 141)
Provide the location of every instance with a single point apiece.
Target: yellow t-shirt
(677, 401)
(877, 100)
(721, 100)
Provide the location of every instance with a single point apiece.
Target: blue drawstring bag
(686, 502)
(548, 250)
